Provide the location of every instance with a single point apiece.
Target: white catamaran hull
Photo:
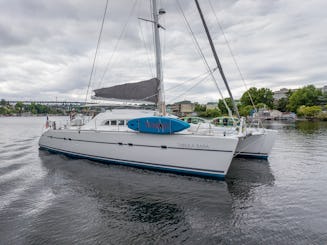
(182, 153)
(256, 145)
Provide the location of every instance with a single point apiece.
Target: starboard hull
(256, 145)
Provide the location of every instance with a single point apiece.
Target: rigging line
(232, 54)
(146, 46)
(189, 80)
(153, 38)
(148, 97)
(147, 49)
(96, 51)
(164, 41)
(122, 33)
(196, 84)
(204, 59)
(178, 85)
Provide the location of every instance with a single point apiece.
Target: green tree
(223, 108)
(41, 109)
(19, 107)
(246, 110)
(199, 108)
(307, 96)
(210, 113)
(33, 108)
(3, 102)
(282, 104)
(6, 110)
(261, 105)
(309, 111)
(262, 95)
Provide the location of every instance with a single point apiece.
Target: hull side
(256, 145)
(188, 154)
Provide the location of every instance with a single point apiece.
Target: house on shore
(182, 108)
(212, 105)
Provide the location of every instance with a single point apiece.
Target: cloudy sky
(47, 47)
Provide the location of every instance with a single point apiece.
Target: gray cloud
(47, 47)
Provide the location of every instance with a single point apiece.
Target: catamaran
(146, 139)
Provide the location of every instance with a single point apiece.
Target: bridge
(48, 102)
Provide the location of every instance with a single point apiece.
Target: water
(52, 199)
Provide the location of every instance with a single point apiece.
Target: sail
(140, 91)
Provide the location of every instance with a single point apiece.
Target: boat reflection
(119, 197)
(247, 174)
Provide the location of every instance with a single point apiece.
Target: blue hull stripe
(252, 155)
(138, 164)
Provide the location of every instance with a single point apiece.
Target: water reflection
(244, 175)
(307, 127)
(152, 211)
(247, 174)
(128, 201)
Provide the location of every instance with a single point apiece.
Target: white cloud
(47, 47)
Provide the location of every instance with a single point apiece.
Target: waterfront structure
(182, 108)
(212, 105)
(282, 93)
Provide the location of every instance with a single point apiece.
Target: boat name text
(194, 146)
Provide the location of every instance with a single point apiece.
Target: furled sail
(140, 91)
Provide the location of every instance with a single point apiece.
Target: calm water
(51, 199)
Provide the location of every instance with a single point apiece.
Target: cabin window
(121, 122)
(106, 123)
(113, 122)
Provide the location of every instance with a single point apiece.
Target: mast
(161, 97)
(216, 58)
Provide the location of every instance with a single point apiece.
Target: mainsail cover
(140, 91)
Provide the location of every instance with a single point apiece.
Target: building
(183, 108)
(324, 89)
(282, 93)
(212, 105)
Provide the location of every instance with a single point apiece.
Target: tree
(246, 110)
(223, 108)
(3, 102)
(262, 95)
(19, 107)
(308, 111)
(199, 108)
(5, 110)
(210, 113)
(307, 96)
(261, 105)
(282, 104)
